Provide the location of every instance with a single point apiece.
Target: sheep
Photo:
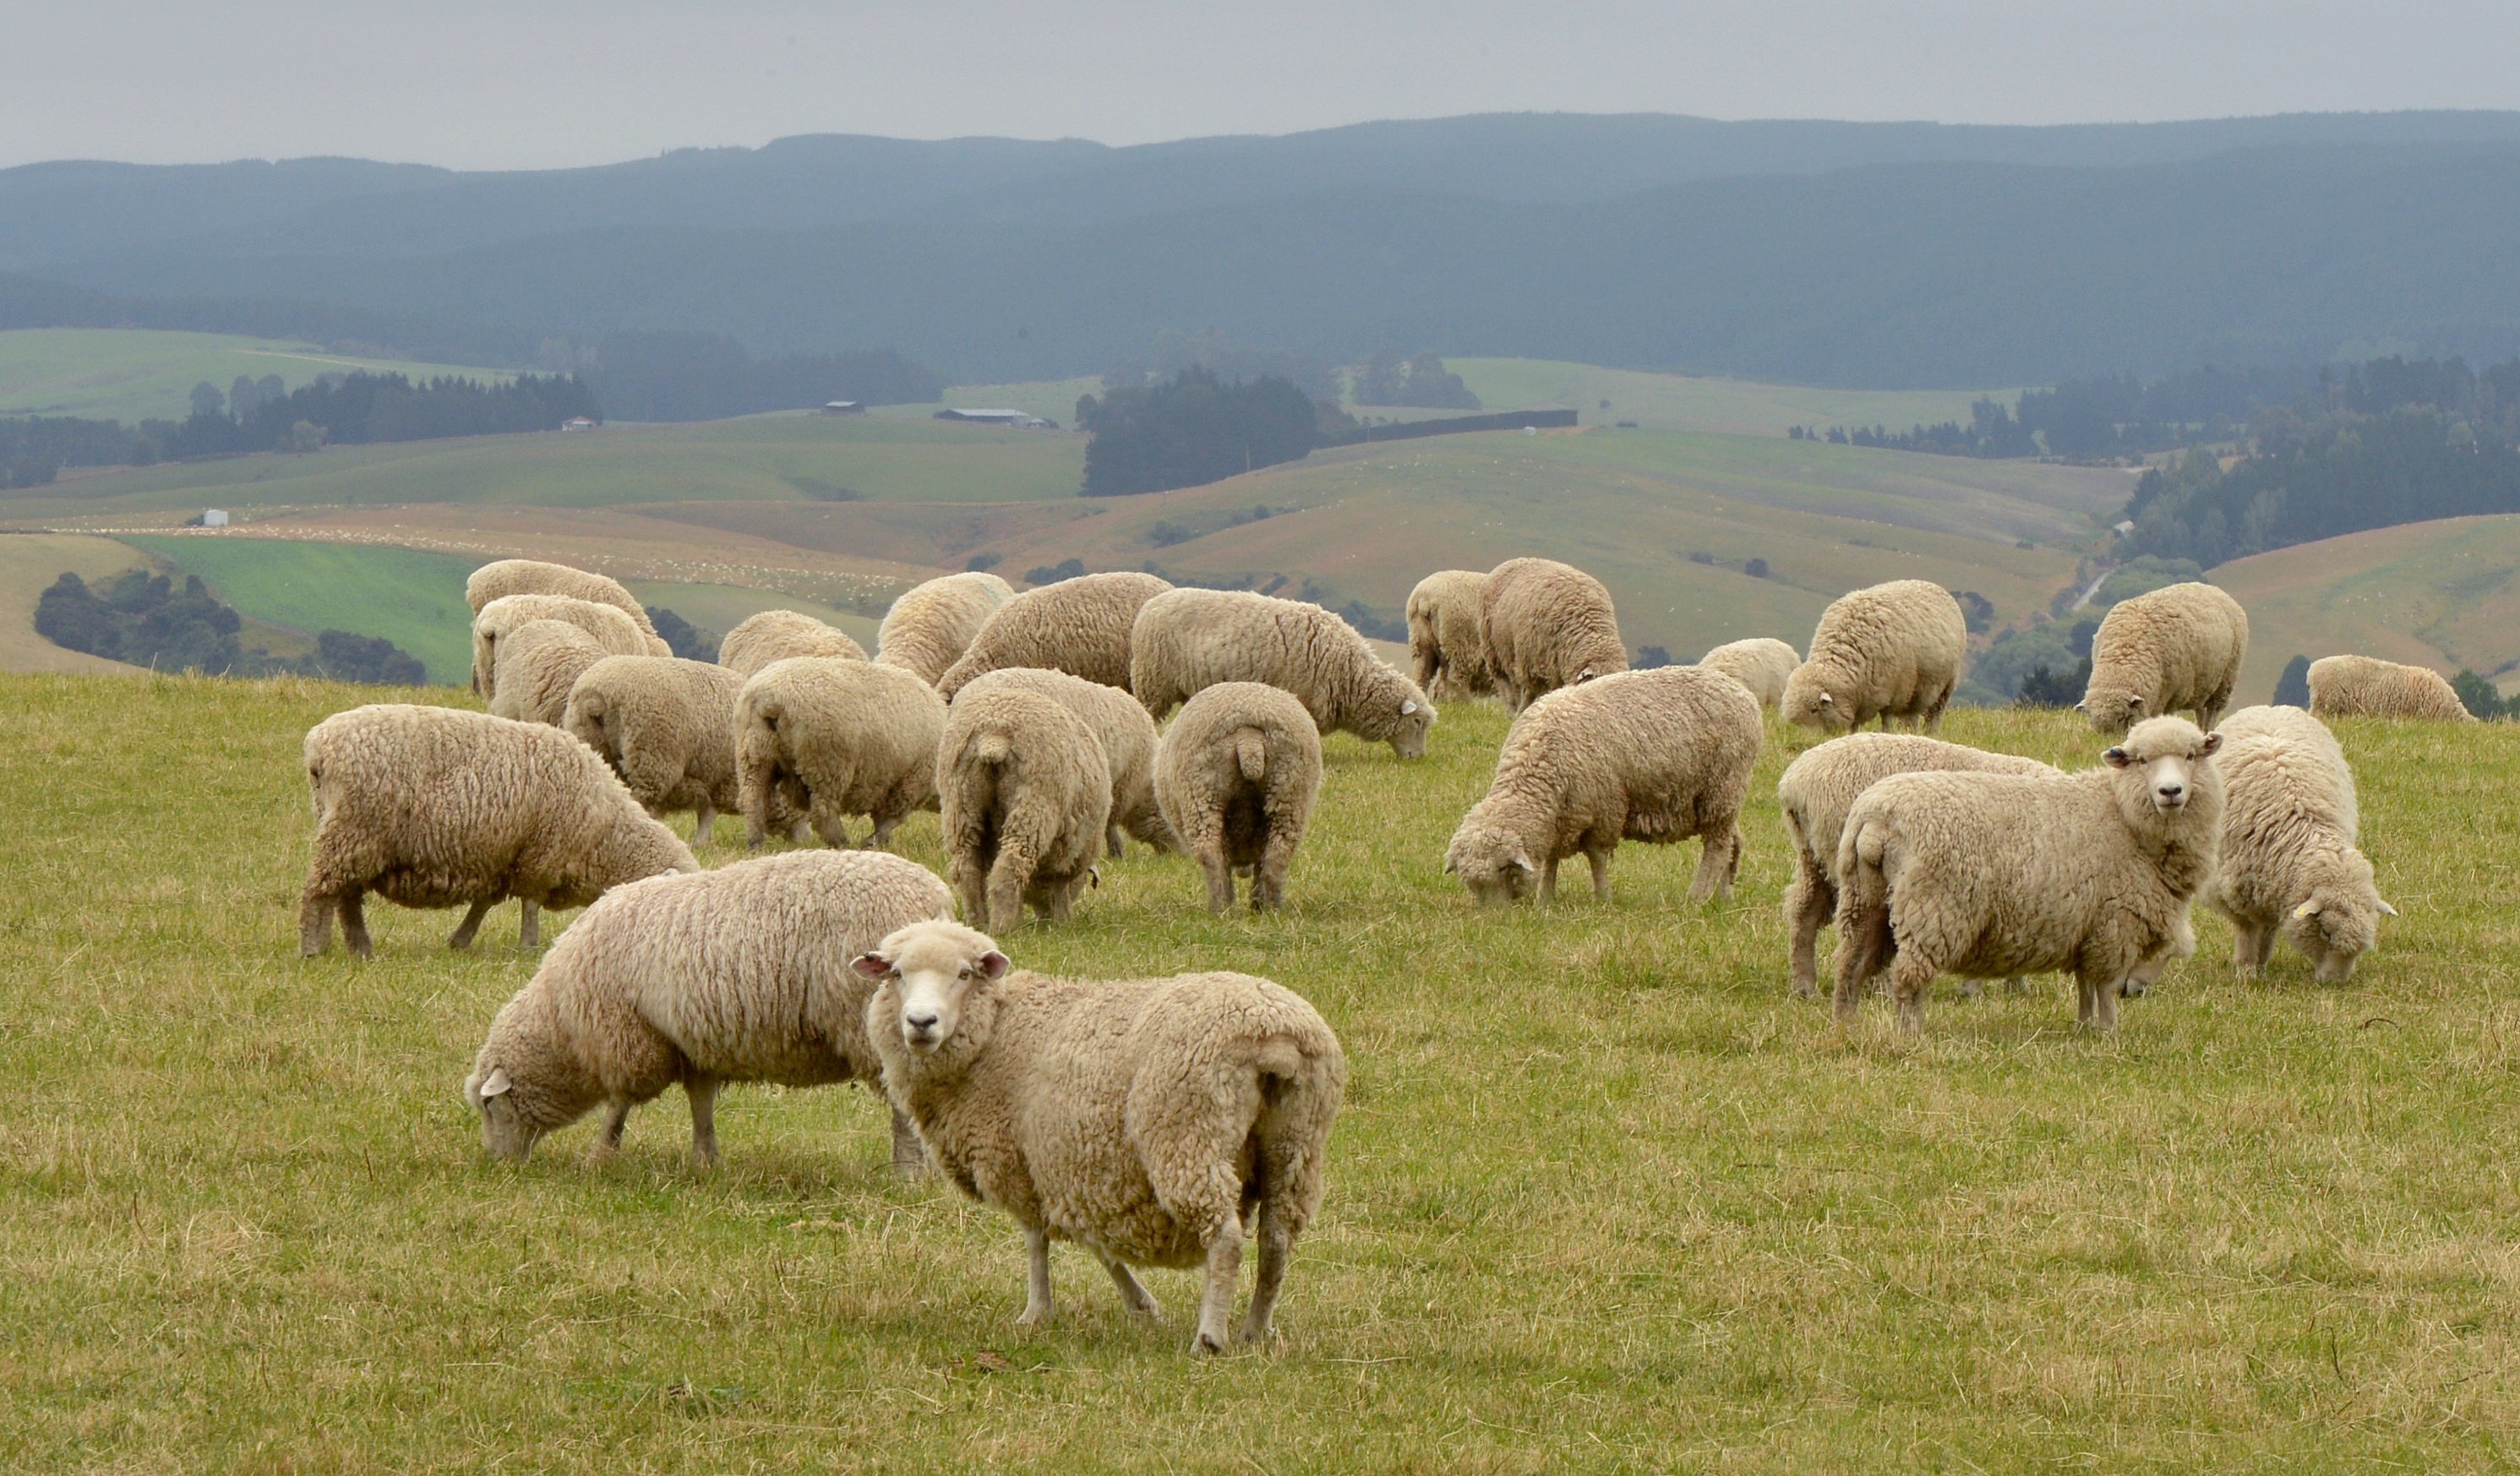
(834, 738)
(1128, 738)
(930, 626)
(2288, 862)
(2367, 687)
(2179, 647)
(528, 576)
(538, 662)
(436, 806)
(1156, 1122)
(667, 727)
(1026, 796)
(610, 628)
(1656, 756)
(740, 974)
(1189, 640)
(1995, 874)
(777, 635)
(1544, 625)
(1889, 650)
(1237, 775)
(1079, 626)
(1813, 795)
(1444, 635)
(1763, 663)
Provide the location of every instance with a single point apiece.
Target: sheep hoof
(1206, 1345)
(1033, 1317)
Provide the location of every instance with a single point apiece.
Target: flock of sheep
(1163, 1122)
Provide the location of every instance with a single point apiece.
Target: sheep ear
(2116, 758)
(2083, 706)
(1825, 700)
(993, 965)
(872, 966)
(497, 1084)
(1408, 708)
(2135, 704)
(2213, 745)
(1449, 869)
(2386, 909)
(2306, 909)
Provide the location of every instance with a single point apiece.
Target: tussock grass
(1604, 1197)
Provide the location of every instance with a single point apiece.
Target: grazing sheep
(1544, 625)
(1156, 1122)
(2367, 687)
(1815, 793)
(2288, 862)
(439, 807)
(1079, 626)
(1656, 756)
(1763, 663)
(538, 662)
(1889, 650)
(1444, 635)
(931, 624)
(1995, 874)
(740, 974)
(1128, 738)
(1189, 640)
(777, 635)
(612, 630)
(1237, 775)
(1026, 795)
(2179, 647)
(832, 737)
(667, 727)
(529, 576)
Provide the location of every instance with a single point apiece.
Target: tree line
(146, 620)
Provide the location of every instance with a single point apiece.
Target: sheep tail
(992, 748)
(1252, 752)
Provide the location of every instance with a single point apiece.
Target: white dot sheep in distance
(832, 737)
(1544, 625)
(1128, 738)
(2288, 864)
(931, 624)
(2179, 648)
(1762, 663)
(740, 974)
(666, 725)
(1444, 635)
(1024, 795)
(1815, 794)
(439, 807)
(1656, 756)
(529, 576)
(1079, 626)
(612, 630)
(1237, 775)
(1993, 874)
(778, 635)
(538, 662)
(1888, 650)
(1156, 1122)
(1188, 641)
(2367, 687)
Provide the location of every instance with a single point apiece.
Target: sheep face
(1494, 864)
(2341, 921)
(1809, 703)
(2111, 712)
(506, 1132)
(935, 980)
(1408, 730)
(2168, 759)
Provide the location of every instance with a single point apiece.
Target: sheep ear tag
(2115, 758)
(2306, 909)
(1407, 708)
(497, 1085)
(871, 965)
(2386, 908)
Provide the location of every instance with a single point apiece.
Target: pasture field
(133, 375)
(2443, 594)
(411, 599)
(1603, 1196)
(1702, 402)
(29, 564)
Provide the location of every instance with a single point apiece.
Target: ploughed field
(1604, 1195)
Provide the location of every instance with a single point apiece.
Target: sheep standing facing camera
(1156, 1122)
(1237, 775)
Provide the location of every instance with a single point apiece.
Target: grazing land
(414, 600)
(2443, 594)
(133, 375)
(1603, 1198)
(1700, 402)
(28, 562)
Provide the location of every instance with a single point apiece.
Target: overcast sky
(523, 83)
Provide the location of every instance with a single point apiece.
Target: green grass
(411, 599)
(1603, 1198)
(1694, 402)
(131, 375)
(2443, 594)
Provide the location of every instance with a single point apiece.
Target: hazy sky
(516, 84)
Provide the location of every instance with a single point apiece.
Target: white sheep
(1544, 625)
(1079, 626)
(2288, 863)
(2176, 648)
(740, 974)
(439, 807)
(1444, 635)
(666, 725)
(1656, 756)
(1128, 737)
(1888, 650)
(1025, 795)
(1237, 775)
(1187, 641)
(776, 635)
(1762, 663)
(830, 737)
(2367, 687)
(612, 630)
(1990, 875)
(528, 576)
(538, 662)
(1156, 1122)
(931, 624)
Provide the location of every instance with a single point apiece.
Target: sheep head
(935, 986)
(1409, 726)
(2166, 775)
(2340, 922)
(1493, 863)
(2112, 710)
(1810, 703)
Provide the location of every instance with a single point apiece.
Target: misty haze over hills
(1852, 253)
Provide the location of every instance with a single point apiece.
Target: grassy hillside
(1696, 402)
(27, 565)
(411, 599)
(132, 375)
(2444, 593)
(1052, 399)
(1603, 1196)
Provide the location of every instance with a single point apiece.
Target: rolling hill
(2444, 593)
(132, 375)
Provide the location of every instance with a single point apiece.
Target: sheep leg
(1810, 903)
(1599, 862)
(801, 831)
(462, 938)
(833, 829)
(2248, 949)
(608, 1138)
(1549, 880)
(1220, 878)
(701, 827)
(354, 923)
(701, 1091)
(1269, 878)
(1909, 976)
(1114, 841)
(881, 839)
(1036, 1278)
(315, 922)
(1007, 881)
(1224, 1270)
(1863, 939)
(1134, 1296)
(909, 1157)
(1275, 1243)
(2100, 1002)
(1718, 856)
(529, 926)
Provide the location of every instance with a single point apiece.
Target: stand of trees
(144, 619)
(1190, 429)
(1386, 379)
(1175, 353)
(360, 408)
